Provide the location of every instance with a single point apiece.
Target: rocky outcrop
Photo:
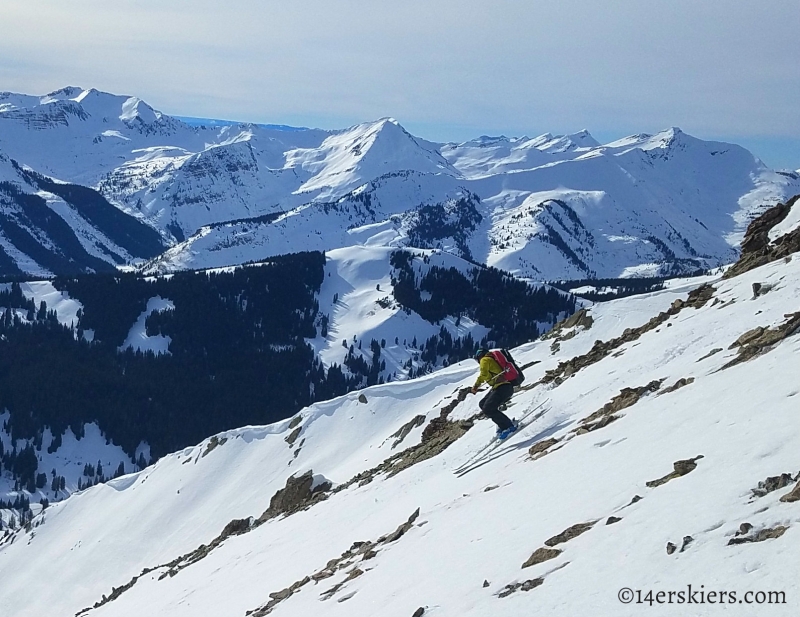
(760, 340)
(214, 442)
(234, 528)
(680, 468)
(757, 249)
(682, 382)
(540, 448)
(540, 555)
(292, 437)
(696, 299)
(794, 494)
(716, 350)
(760, 536)
(436, 437)
(365, 550)
(773, 483)
(567, 328)
(404, 430)
(569, 533)
(626, 398)
(298, 494)
(523, 586)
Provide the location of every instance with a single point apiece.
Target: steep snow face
(674, 461)
(343, 161)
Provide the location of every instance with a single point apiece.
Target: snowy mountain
(658, 462)
(550, 207)
(49, 227)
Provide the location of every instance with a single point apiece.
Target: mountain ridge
(180, 179)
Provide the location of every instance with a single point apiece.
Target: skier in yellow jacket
(500, 393)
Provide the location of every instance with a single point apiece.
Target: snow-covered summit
(344, 160)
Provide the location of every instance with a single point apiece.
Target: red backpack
(511, 372)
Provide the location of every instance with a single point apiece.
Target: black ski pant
(489, 405)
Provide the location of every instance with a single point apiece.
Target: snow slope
(474, 531)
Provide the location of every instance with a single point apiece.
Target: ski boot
(501, 435)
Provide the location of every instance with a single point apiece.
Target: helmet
(480, 353)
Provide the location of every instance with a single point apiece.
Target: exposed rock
(744, 529)
(213, 443)
(540, 447)
(404, 430)
(540, 555)
(613, 519)
(683, 381)
(116, 592)
(681, 468)
(329, 593)
(295, 496)
(696, 299)
(524, 586)
(687, 540)
(747, 337)
(436, 437)
(569, 533)
(281, 595)
(773, 483)
(635, 499)
(601, 423)
(671, 548)
(295, 421)
(354, 573)
(580, 318)
(710, 353)
(292, 437)
(323, 574)
(759, 289)
(760, 340)
(345, 560)
(757, 249)
(369, 555)
(626, 398)
(794, 495)
(485, 583)
(401, 530)
(419, 612)
(491, 488)
(764, 534)
(362, 398)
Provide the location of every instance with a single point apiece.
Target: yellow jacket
(491, 373)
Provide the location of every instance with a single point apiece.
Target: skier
(501, 392)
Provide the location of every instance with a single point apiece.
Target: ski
(527, 419)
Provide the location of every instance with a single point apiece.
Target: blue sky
(447, 70)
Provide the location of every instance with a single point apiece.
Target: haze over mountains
(550, 207)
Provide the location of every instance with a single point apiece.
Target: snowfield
(655, 491)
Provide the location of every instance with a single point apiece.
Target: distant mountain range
(90, 181)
